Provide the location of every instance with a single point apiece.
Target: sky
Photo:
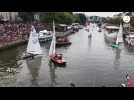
(102, 14)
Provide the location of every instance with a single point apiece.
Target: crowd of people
(16, 31)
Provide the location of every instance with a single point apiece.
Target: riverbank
(12, 44)
(16, 43)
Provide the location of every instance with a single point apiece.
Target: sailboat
(55, 57)
(89, 30)
(119, 37)
(33, 47)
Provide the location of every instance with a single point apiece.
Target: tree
(59, 17)
(26, 16)
(81, 18)
(115, 21)
(76, 18)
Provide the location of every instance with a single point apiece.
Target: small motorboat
(45, 36)
(58, 59)
(62, 41)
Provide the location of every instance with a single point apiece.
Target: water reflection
(34, 68)
(53, 67)
(8, 59)
(52, 74)
(89, 42)
(107, 43)
(129, 49)
(46, 44)
(76, 55)
(117, 58)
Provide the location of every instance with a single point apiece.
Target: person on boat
(58, 56)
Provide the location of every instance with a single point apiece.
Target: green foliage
(80, 18)
(118, 20)
(115, 21)
(76, 18)
(26, 16)
(59, 17)
(62, 17)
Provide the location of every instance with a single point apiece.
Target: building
(8, 16)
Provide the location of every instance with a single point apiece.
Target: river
(91, 62)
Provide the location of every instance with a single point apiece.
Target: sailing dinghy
(55, 57)
(89, 30)
(33, 47)
(119, 38)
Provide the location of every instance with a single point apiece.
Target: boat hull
(63, 43)
(45, 39)
(58, 62)
(110, 37)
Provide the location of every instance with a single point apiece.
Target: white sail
(53, 43)
(33, 43)
(119, 35)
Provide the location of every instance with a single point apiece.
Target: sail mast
(52, 47)
(119, 35)
(54, 37)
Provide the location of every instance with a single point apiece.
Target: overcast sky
(103, 14)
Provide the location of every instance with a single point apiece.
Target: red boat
(58, 59)
(55, 57)
(62, 41)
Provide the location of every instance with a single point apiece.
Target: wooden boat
(61, 41)
(55, 57)
(33, 47)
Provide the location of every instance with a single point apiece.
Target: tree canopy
(59, 17)
(118, 19)
(26, 16)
